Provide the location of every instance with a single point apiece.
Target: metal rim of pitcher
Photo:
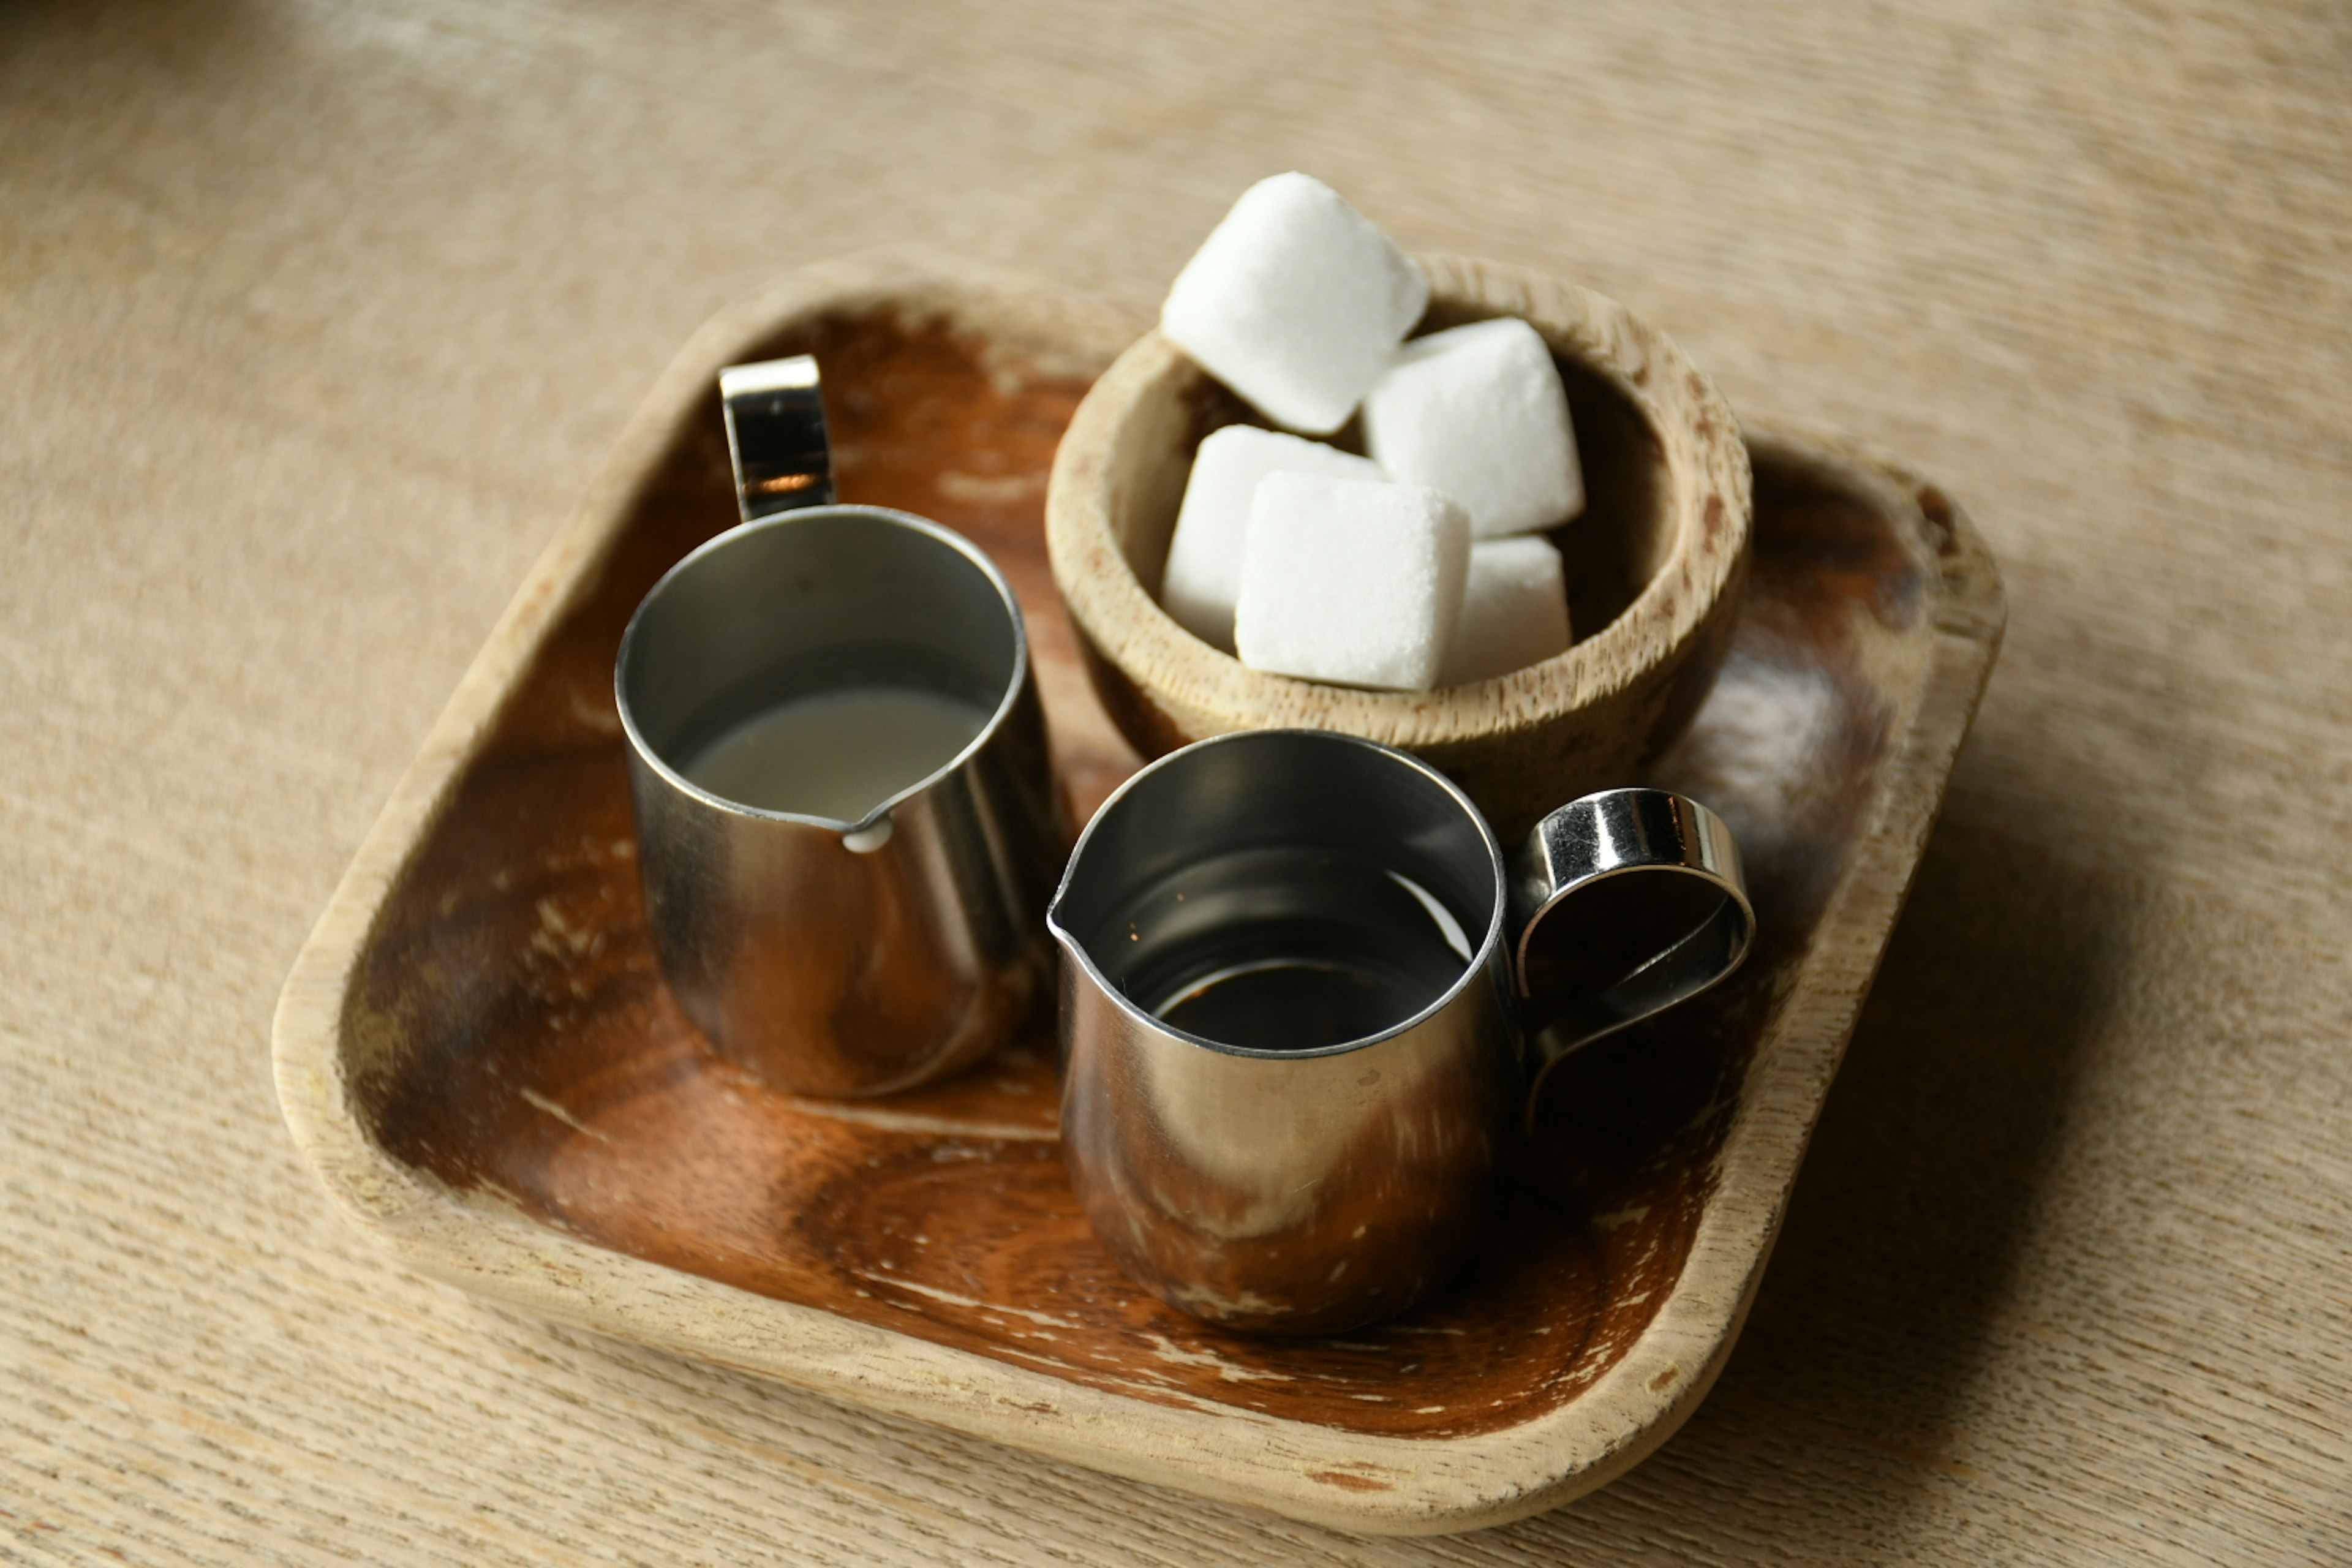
(1695, 962)
(1016, 680)
(1473, 967)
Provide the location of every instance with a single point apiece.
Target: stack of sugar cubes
(1417, 566)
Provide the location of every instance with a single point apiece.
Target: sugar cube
(1479, 413)
(1514, 610)
(1349, 581)
(1296, 300)
(1205, 559)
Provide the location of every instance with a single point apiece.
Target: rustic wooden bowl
(476, 1052)
(1655, 564)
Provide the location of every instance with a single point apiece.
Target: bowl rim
(1707, 495)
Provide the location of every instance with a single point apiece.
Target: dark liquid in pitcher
(1288, 949)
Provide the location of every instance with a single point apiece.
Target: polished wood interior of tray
(522, 1046)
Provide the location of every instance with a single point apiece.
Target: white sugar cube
(1351, 581)
(1479, 413)
(1204, 579)
(1514, 610)
(1296, 300)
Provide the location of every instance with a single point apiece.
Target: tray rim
(1355, 1481)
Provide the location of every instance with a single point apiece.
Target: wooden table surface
(315, 316)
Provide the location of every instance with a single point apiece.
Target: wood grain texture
(1658, 558)
(477, 1031)
(316, 319)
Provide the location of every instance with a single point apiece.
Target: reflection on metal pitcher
(1296, 991)
(846, 812)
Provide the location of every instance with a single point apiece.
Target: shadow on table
(1918, 1194)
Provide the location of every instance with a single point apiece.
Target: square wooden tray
(478, 1057)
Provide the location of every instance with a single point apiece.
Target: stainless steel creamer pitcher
(1305, 1005)
(847, 825)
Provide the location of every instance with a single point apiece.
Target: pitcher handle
(1572, 878)
(775, 436)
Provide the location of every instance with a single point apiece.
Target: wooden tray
(476, 1054)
